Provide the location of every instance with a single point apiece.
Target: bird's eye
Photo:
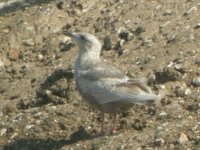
(82, 37)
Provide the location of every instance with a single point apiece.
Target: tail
(144, 98)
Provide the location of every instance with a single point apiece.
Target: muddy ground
(153, 39)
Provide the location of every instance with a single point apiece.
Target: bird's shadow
(10, 7)
(49, 144)
(43, 98)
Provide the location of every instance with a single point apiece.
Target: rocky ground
(153, 39)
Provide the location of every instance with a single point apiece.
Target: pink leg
(101, 133)
(112, 129)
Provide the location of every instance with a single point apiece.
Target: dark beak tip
(65, 32)
(68, 33)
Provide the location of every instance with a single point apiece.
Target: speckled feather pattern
(106, 88)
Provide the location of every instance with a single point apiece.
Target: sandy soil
(153, 39)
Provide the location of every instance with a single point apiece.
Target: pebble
(107, 43)
(121, 43)
(139, 30)
(3, 131)
(188, 92)
(125, 35)
(159, 141)
(197, 26)
(65, 44)
(196, 81)
(139, 124)
(14, 135)
(124, 123)
(182, 91)
(151, 78)
(40, 57)
(159, 128)
(183, 138)
(166, 101)
(167, 74)
(1, 63)
(48, 92)
(29, 42)
(163, 114)
(173, 74)
(168, 13)
(60, 4)
(5, 30)
(178, 67)
(13, 54)
(28, 127)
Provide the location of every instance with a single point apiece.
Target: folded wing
(107, 85)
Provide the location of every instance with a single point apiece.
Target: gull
(105, 88)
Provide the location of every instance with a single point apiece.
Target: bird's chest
(88, 92)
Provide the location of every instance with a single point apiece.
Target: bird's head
(86, 41)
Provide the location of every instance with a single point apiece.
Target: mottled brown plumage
(103, 87)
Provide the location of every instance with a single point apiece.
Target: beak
(70, 34)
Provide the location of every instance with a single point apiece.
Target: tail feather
(145, 98)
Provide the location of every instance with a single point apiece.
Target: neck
(86, 59)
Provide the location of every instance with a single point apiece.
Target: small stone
(151, 78)
(13, 54)
(167, 13)
(183, 138)
(5, 30)
(178, 66)
(28, 127)
(161, 86)
(107, 43)
(166, 101)
(14, 135)
(197, 26)
(60, 4)
(159, 128)
(63, 126)
(119, 47)
(163, 115)
(171, 38)
(40, 57)
(180, 91)
(1, 63)
(139, 30)
(192, 107)
(139, 124)
(48, 92)
(124, 123)
(172, 74)
(29, 42)
(196, 81)
(121, 43)
(65, 44)
(159, 142)
(167, 74)
(125, 35)
(187, 92)
(14, 96)
(23, 104)
(152, 110)
(3, 131)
